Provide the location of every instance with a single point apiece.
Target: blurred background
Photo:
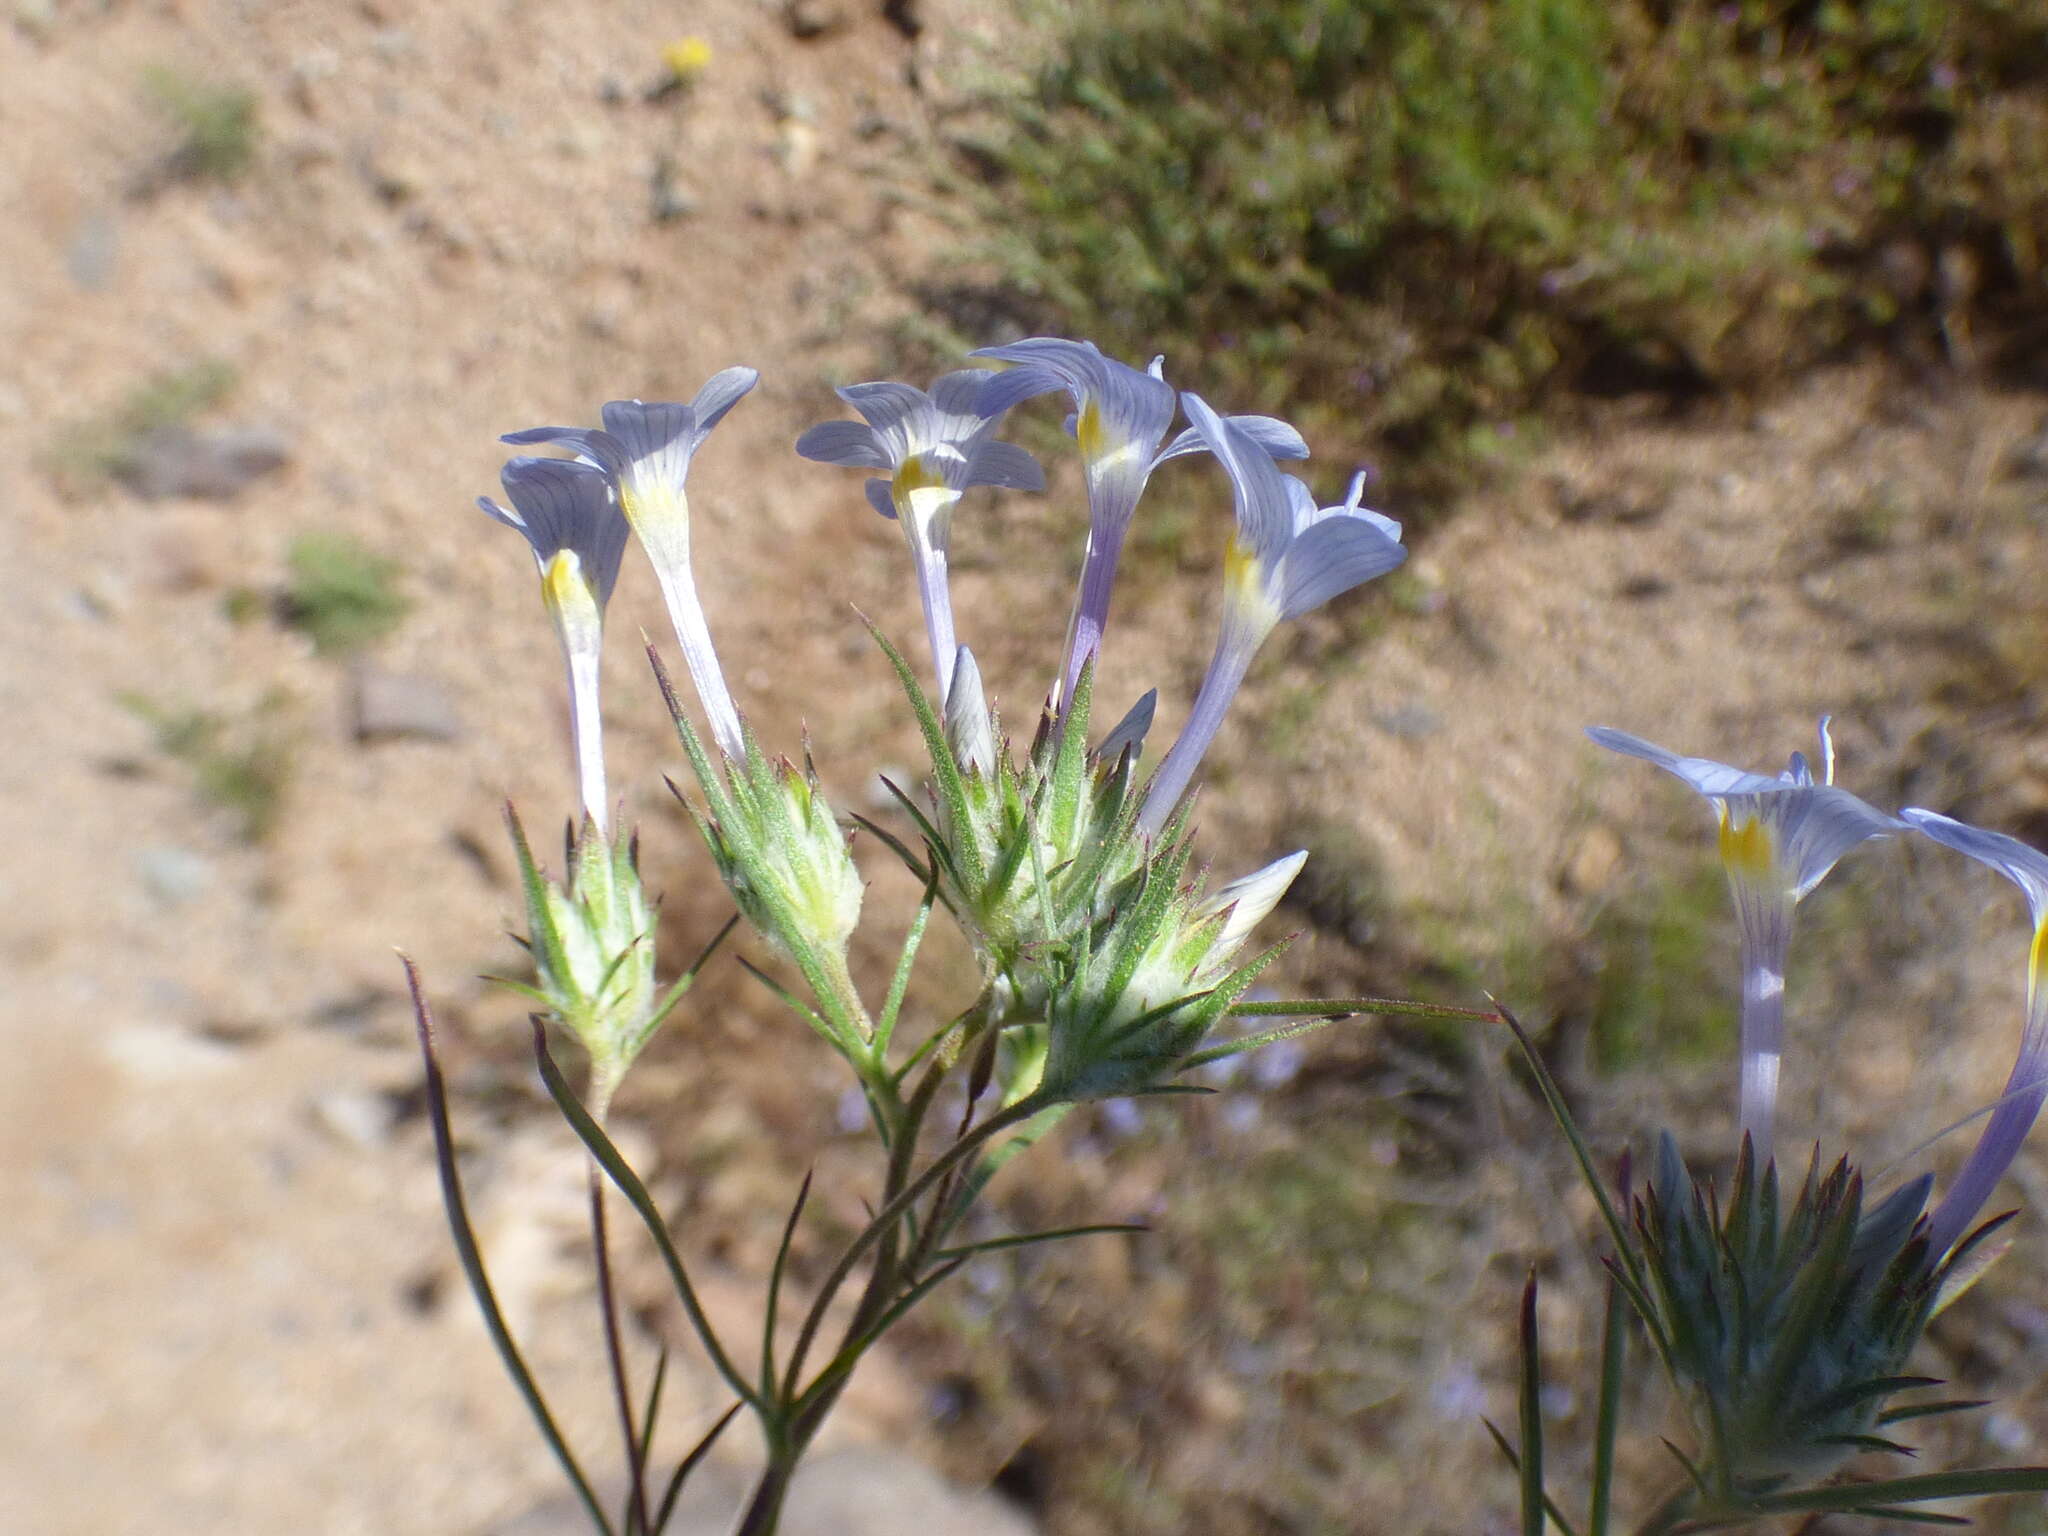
(1702, 348)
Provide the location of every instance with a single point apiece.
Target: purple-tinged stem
(1212, 702)
(2025, 1091)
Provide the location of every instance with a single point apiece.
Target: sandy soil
(226, 1297)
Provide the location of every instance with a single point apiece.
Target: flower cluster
(1791, 1328)
(1067, 869)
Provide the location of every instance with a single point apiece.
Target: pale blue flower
(1120, 415)
(2027, 1087)
(1287, 556)
(933, 448)
(645, 448)
(1779, 838)
(567, 513)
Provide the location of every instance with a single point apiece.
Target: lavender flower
(2027, 1087)
(934, 448)
(1779, 838)
(1287, 557)
(566, 511)
(1120, 415)
(646, 449)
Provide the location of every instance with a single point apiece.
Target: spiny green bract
(1788, 1331)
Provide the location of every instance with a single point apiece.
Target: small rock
(172, 876)
(95, 245)
(865, 1492)
(355, 1116)
(210, 466)
(808, 19)
(903, 16)
(390, 706)
(1408, 722)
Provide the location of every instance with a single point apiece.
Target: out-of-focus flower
(566, 512)
(687, 58)
(1287, 556)
(646, 449)
(1120, 415)
(933, 448)
(2027, 1087)
(1779, 838)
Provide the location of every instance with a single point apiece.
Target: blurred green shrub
(1432, 215)
(216, 126)
(104, 447)
(242, 766)
(340, 594)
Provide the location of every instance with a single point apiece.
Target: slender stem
(608, 1307)
(686, 612)
(1234, 652)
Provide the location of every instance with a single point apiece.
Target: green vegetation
(1659, 962)
(216, 126)
(1435, 217)
(105, 447)
(241, 766)
(341, 595)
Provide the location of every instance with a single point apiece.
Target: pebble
(356, 1117)
(394, 706)
(172, 876)
(209, 466)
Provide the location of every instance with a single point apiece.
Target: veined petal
(1250, 897)
(1005, 465)
(880, 499)
(1337, 554)
(658, 438)
(1129, 733)
(1013, 386)
(1265, 508)
(565, 504)
(956, 397)
(721, 392)
(1279, 439)
(968, 729)
(1816, 824)
(1716, 780)
(849, 444)
(1118, 406)
(587, 443)
(890, 408)
(2026, 867)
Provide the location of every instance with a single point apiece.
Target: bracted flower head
(1288, 556)
(646, 449)
(1120, 415)
(1147, 985)
(1779, 838)
(592, 942)
(566, 511)
(933, 448)
(2027, 1087)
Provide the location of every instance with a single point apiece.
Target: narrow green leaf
(621, 1173)
(1908, 1490)
(774, 1300)
(1531, 1402)
(899, 983)
(945, 771)
(1031, 1239)
(1500, 1441)
(689, 1464)
(471, 1256)
(1613, 1355)
(1928, 1410)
